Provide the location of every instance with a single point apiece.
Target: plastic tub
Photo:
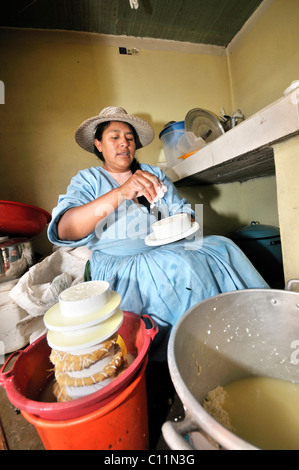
(122, 424)
(30, 375)
(170, 136)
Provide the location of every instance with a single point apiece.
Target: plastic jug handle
(154, 327)
(6, 376)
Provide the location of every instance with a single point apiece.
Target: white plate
(86, 337)
(54, 320)
(151, 240)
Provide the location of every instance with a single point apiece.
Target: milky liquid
(263, 411)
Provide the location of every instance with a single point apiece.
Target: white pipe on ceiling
(134, 4)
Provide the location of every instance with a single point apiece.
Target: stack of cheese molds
(87, 351)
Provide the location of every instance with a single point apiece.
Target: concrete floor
(163, 404)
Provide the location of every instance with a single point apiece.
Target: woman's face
(117, 146)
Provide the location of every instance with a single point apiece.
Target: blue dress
(161, 281)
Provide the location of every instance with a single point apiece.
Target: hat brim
(85, 133)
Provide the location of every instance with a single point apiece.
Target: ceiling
(213, 22)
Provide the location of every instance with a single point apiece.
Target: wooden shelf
(244, 152)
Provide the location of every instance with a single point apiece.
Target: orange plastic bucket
(122, 424)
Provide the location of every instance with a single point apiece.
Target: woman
(110, 209)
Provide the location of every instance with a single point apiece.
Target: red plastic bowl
(31, 372)
(22, 220)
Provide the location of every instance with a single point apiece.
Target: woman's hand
(141, 183)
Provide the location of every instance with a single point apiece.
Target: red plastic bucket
(31, 374)
(122, 424)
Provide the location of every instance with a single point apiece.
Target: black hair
(134, 165)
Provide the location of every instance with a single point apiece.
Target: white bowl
(171, 226)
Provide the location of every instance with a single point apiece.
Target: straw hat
(85, 133)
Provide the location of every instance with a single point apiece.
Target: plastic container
(22, 220)
(30, 375)
(122, 424)
(170, 136)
